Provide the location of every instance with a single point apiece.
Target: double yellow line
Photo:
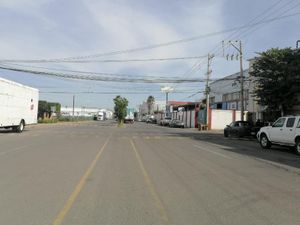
(68, 204)
(63, 212)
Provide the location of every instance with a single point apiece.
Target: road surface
(94, 173)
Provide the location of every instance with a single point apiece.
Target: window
(298, 126)
(279, 122)
(236, 124)
(290, 122)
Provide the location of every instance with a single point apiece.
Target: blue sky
(48, 29)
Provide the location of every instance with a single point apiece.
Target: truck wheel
(264, 142)
(297, 148)
(20, 127)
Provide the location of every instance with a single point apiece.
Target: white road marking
(216, 153)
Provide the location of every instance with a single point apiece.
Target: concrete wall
(220, 118)
(188, 117)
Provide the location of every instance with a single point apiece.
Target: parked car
(243, 128)
(166, 121)
(238, 129)
(285, 131)
(151, 120)
(176, 123)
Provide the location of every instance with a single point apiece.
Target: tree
(150, 103)
(120, 109)
(277, 78)
(43, 108)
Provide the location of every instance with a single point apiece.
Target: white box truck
(18, 105)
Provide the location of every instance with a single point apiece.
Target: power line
(215, 50)
(105, 92)
(279, 13)
(168, 43)
(90, 73)
(104, 61)
(105, 78)
(82, 75)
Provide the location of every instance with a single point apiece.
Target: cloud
(45, 29)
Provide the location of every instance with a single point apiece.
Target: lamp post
(167, 90)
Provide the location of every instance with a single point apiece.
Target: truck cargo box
(18, 105)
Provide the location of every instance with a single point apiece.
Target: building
(83, 111)
(158, 106)
(225, 93)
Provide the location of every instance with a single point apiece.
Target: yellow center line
(158, 202)
(68, 204)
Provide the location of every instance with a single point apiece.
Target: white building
(157, 106)
(84, 111)
(225, 93)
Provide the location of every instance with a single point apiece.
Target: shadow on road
(7, 131)
(244, 146)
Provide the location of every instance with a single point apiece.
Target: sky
(53, 29)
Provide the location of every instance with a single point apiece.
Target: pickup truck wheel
(264, 142)
(297, 148)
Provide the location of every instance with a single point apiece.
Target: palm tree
(150, 103)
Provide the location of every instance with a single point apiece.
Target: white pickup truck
(284, 131)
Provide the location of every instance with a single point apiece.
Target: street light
(167, 90)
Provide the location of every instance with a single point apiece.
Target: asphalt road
(94, 173)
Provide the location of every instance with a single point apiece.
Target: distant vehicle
(100, 116)
(176, 123)
(18, 105)
(285, 131)
(151, 119)
(130, 116)
(238, 129)
(166, 121)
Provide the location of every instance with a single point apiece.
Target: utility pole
(207, 88)
(240, 51)
(73, 105)
(242, 81)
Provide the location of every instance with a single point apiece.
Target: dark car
(239, 129)
(176, 123)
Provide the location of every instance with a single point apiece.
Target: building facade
(83, 111)
(225, 93)
(158, 106)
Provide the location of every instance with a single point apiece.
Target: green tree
(150, 103)
(120, 109)
(43, 108)
(277, 78)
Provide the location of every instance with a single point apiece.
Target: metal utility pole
(242, 81)
(73, 105)
(207, 89)
(167, 99)
(240, 51)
